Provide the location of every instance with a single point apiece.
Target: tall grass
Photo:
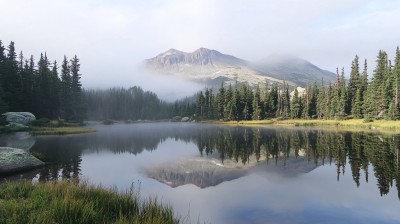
(73, 202)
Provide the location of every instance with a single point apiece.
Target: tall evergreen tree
(221, 102)
(257, 105)
(3, 103)
(376, 103)
(11, 80)
(295, 105)
(354, 83)
(65, 90)
(396, 86)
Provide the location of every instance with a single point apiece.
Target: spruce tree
(221, 102)
(354, 83)
(228, 103)
(65, 90)
(3, 104)
(396, 86)
(11, 80)
(257, 106)
(295, 105)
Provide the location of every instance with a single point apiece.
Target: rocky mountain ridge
(212, 67)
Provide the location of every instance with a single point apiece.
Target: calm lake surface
(230, 174)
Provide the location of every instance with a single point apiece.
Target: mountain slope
(212, 67)
(294, 69)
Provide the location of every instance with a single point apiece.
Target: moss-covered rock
(14, 160)
(19, 118)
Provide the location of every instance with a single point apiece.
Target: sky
(113, 37)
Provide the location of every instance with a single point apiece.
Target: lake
(234, 174)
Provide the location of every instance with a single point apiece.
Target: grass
(73, 202)
(360, 124)
(45, 126)
(60, 130)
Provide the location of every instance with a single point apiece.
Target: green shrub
(368, 120)
(108, 122)
(41, 122)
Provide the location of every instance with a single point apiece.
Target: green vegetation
(358, 98)
(349, 124)
(73, 202)
(44, 126)
(60, 130)
(38, 88)
(108, 122)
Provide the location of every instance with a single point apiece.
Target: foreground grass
(381, 125)
(70, 202)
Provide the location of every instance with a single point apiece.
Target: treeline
(359, 97)
(133, 104)
(38, 87)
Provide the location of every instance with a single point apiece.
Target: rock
(19, 118)
(185, 119)
(14, 160)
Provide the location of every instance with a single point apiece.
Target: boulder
(185, 119)
(14, 160)
(19, 118)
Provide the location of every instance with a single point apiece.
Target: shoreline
(383, 126)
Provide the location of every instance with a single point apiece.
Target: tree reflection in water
(276, 145)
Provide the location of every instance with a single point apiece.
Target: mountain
(206, 172)
(212, 67)
(292, 68)
(208, 66)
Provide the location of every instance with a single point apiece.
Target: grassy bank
(60, 130)
(45, 126)
(69, 202)
(381, 125)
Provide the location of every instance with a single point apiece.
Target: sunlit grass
(382, 125)
(72, 202)
(60, 130)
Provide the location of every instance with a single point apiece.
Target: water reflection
(227, 152)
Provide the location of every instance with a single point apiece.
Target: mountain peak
(211, 66)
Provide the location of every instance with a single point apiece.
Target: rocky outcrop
(19, 118)
(14, 160)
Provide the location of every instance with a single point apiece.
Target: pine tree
(267, 97)
(321, 101)
(207, 103)
(257, 106)
(376, 104)
(11, 80)
(354, 83)
(3, 104)
(343, 95)
(54, 98)
(43, 93)
(200, 105)
(65, 90)
(228, 103)
(221, 102)
(295, 105)
(396, 86)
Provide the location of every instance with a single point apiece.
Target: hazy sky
(111, 37)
